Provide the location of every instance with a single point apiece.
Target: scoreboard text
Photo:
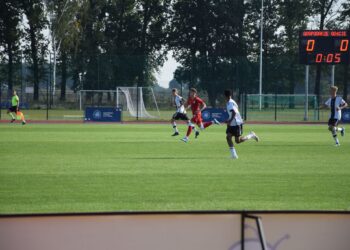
(324, 46)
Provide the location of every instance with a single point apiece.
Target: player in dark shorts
(235, 125)
(336, 104)
(179, 116)
(236, 131)
(15, 108)
(180, 113)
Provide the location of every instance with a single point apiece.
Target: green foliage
(123, 40)
(36, 45)
(102, 44)
(344, 21)
(345, 14)
(9, 39)
(207, 41)
(294, 16)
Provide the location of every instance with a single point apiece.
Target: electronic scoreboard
(324, 47)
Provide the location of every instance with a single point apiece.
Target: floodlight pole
(306, 112)
(261, 53)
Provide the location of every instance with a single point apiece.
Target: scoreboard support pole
(261, 54)
(306, 107)
(333, 73)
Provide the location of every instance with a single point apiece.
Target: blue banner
(345, 116)
(6, 105)
(93, 114)
(209, 114)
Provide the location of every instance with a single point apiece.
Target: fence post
(47, 99)
(306, 114)
(245, 106)
(0, 100)
(117, 97)
(241, 101)
(80, 101)
(137, 101)
(275, 106)
(315, 108)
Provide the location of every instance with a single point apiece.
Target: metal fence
(209, 75)
(277, 107)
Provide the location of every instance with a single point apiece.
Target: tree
(92, 36)
(130, 42)
(207, 41)
(64, 32)
(273, 75)
(9, 36)
(121, 39)
(34, 11)
(151, 36)
(344, 18)
(293, 19)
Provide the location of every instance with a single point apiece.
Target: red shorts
(197, 119)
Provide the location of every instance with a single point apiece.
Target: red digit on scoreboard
(337, 58)
(329, 58)
(310, 45)
(344, 45)
(319, 58)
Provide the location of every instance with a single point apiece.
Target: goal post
(140, 102)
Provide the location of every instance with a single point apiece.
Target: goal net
(138, 102)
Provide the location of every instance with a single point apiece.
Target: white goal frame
(140, 113)
(118, 91)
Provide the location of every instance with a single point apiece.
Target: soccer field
(90, 168)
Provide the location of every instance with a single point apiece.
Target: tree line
(113, 43)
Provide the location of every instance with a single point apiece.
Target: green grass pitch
(91, 167)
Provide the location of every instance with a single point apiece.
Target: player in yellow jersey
(15, 108)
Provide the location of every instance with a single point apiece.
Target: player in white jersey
(235, 125)
(180, 113)
(336, 104)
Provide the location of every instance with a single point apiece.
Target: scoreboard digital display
(324, 47)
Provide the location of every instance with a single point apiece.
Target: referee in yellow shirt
(15, 108)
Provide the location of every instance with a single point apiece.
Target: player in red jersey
(197, 106)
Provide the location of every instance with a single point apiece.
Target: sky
(166, 73)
